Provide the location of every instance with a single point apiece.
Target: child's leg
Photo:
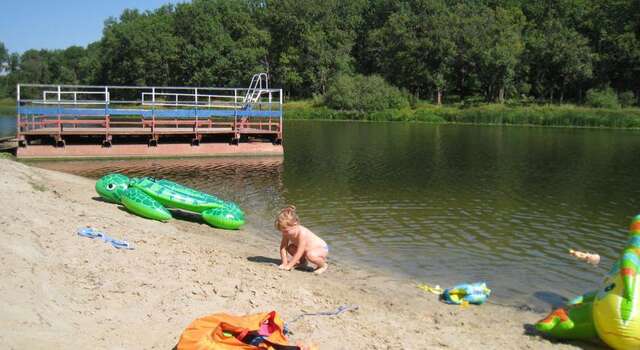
(318, 256)
(292, 249)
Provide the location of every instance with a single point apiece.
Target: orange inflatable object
(229, 332)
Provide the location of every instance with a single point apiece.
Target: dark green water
(441, 204)
(7, 125)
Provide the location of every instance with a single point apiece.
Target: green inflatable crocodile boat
(150, 198)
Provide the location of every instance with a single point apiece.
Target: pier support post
(59, 142)
(22, 141)
(107, 142)
(196, 140)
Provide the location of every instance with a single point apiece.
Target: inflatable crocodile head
(111, 187)
(616, 307)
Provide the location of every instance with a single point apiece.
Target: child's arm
(301, 246)
(283, 251)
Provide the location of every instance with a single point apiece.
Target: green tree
(34, 67)
(414, 48)
(219, 42)
(500, 52)
(314, 42)
(139, 49)
(4, 57)
(89, 67)
(614, 30)
(558, 58)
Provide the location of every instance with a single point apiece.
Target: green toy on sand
(150, 198)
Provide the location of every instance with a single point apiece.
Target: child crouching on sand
(300, 242)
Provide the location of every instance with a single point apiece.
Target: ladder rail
(259, 83)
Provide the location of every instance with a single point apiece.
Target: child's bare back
(299, 242)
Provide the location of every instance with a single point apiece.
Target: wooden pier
(122, 121)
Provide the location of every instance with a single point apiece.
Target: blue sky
(58, 24)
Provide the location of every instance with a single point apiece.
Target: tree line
(439, 50)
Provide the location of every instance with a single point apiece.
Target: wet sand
(64, 291)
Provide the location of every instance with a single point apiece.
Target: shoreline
(57, 283)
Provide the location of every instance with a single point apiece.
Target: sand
(63, 291)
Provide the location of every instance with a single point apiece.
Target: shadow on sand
(175, 213)
(531, 331)
(552, 299)
(100, 199)
(271, 261)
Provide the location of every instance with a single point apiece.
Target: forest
(364, 54)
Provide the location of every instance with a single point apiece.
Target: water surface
(7, 126)
(441, 204)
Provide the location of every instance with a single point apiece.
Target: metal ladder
(259, 82)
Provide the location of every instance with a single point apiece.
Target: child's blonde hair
(287, 217)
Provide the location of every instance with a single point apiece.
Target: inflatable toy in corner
(612, 312)
(150, 198)
(472, 293)
(228, 332)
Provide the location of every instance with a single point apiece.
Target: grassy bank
(7, 107)
(496, 114)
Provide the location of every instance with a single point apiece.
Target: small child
(298, 241)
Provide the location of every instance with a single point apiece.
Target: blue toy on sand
(472, 293)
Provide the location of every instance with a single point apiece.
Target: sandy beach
(63, 291)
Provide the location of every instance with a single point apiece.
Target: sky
(58, 24)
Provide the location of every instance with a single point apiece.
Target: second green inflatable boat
(150, 198)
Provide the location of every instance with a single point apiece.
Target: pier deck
(92, 121)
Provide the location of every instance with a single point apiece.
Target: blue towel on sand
(91, 233)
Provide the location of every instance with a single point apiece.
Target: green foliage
(312, 42)
(602, 98)
(558, 58)
(519, 52)
(414, 47)
(219, 43)
(495, 114)
(4, 56)
(362, 93)
(7, 106)
(627, 99)
(139, 48)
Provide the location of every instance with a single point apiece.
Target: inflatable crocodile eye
(110, 187)
(610, 287)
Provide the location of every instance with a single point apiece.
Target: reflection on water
(443, 204)
(7, 126)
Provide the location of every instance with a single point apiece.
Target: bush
(627, 99)
(604, 98)
(428, 116)
(361, 93)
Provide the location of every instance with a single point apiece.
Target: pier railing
(52, 109)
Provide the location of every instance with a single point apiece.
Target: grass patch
(7, 155)
(7, 107)
(492, 114)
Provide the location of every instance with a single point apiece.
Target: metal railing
(45, 105)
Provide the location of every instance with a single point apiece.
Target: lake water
(7, 126)
(439, 204)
